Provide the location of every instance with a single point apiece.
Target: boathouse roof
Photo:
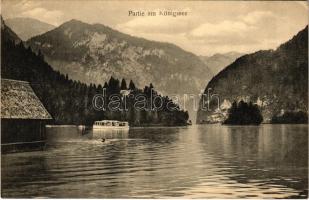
(18, 101)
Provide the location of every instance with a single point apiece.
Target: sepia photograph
(143, 99)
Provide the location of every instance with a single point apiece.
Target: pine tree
(113, 85)
(123, 85)
(132, 85)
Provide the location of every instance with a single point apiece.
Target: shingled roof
(18, 101)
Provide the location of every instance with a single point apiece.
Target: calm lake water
(206, 161)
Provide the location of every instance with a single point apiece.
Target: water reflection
(266, 156)
(269, 161)
(107, 134)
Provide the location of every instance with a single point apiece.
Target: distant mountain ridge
(219, 61)
(276, 80)
(26, 28)
(92, 53)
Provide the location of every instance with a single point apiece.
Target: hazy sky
(210, 26)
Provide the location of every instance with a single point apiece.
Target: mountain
(9, 34)
(26, 28)
(219, 61)
(276, 80)
(71, 102)
(94, 52)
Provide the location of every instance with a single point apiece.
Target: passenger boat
(110, 124)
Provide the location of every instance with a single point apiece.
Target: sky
(210, 26)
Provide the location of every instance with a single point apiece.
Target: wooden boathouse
(23, 117)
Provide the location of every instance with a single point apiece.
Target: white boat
(110, 124)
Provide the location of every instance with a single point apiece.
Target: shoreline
(131, 127)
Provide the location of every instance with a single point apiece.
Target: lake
(201, 161)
